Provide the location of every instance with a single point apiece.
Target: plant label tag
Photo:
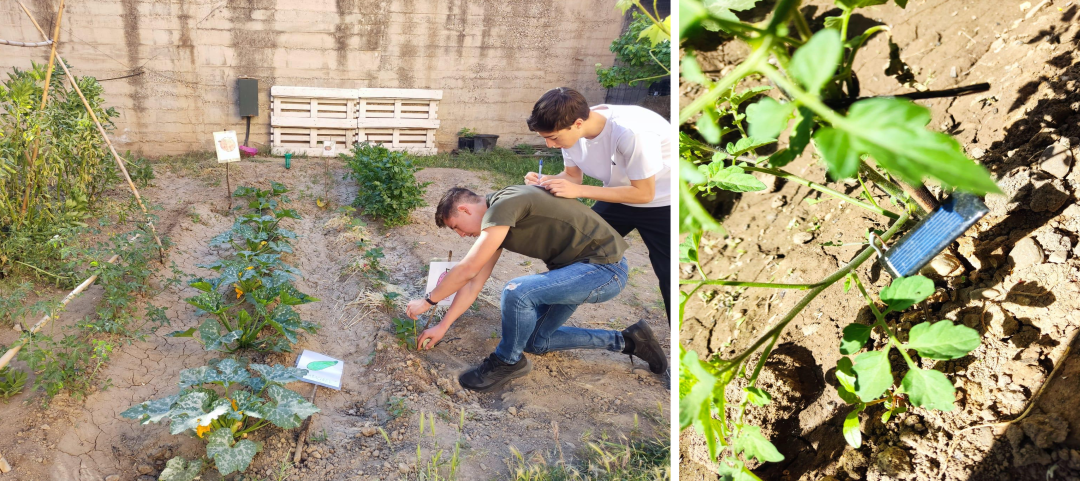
(323, 370)
(226, 146)
(436, 271)
(933, 234)
(328, 148)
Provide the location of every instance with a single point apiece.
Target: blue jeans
(535, 307)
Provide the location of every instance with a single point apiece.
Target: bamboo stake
(304, 432)
(44, 98)
(25, 44)
(119, 161)
(10, 354)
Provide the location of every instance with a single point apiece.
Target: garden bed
(569, 399)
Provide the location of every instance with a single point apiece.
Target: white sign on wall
(226, 146)
(436, 272)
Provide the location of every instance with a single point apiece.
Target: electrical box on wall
(248, 89)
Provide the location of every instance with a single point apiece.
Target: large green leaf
(746, 144)
(151, 411)
(757, 396)
(815, 63)
(199, 375)
(754, 444)
(195, 409)
(873, 375)
(688, 248)
(232, 371)
(288, 409)
(905, 292)
(180, 469)
(229, 457)
(768, 118)
(207, 302)
(835, 147)
(893, 131)
(942, 340)
(279, 374)
(855, 337)
(929, 389)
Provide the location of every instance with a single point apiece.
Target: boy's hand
(430, 337)
(532, 178)
(416, 307)
(562, 188)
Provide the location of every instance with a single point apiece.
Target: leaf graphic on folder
(320, 365)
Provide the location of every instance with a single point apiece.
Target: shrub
(388, 186)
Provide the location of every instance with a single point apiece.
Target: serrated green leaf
(815, 62)
(834, 23)
(768, 118)
(320, 365)
(624, 5)
(929, 389)
(845, 376)
(228, 457)
(199, 375)
(730, 178)
(742, 96)
(754, 444)
(873, 375)
(180, 469)
(847, 283)
(185, 333)
(837, 150)
(855, 337)
(893, 131)
(195, 409)
(207, 302)
(708, 125)
(942, 340)
(701, 384)
(292, 297)
(852, 434)
(905, 292)
(288, 409)
(655, 34)
(247, 403)
(201, 285)
(757, 396)
(690, 70)
(747, 144)
(692, 216)
(151, 411)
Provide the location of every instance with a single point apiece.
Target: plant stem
(748, 66)
(771, 285)
(821, 286)
(802, 26)
(893, 341)
(823, 189)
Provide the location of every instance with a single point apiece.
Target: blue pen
(540, 170)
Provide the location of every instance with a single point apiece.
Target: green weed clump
(639, 59)
(222, 403)
(602, 460)
(387, 180)
(250, 304)
(11, 380)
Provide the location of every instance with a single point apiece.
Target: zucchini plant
(882, 142)
(221, 403)
(250, 304)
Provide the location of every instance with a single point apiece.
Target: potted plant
(468, 139)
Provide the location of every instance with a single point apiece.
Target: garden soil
(569, 399)
(1015, 282)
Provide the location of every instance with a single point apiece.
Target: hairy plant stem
(893, 340)
(718, 282)
(749, 66)
(729, 364)
(823, 189)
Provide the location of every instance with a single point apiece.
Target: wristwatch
(429, 301)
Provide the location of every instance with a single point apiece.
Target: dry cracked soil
(569, 399)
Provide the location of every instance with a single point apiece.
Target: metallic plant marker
(933, 234)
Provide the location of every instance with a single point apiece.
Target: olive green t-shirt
(555, 230)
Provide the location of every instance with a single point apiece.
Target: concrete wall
(491, 58)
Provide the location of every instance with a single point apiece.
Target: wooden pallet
(399, 119)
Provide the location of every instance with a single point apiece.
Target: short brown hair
(558, 109)
(453, 198)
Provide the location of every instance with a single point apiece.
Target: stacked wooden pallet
(399, 119)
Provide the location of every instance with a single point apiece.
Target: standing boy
(626, 147)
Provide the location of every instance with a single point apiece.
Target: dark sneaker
(644, 345)
(492, 373)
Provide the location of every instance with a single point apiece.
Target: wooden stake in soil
(228, 186)
(304, 432)
(101, 130)
(10, 354)
(44, 98)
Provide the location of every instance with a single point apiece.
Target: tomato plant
(812, 92)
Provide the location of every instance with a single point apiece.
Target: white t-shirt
(635, 144)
